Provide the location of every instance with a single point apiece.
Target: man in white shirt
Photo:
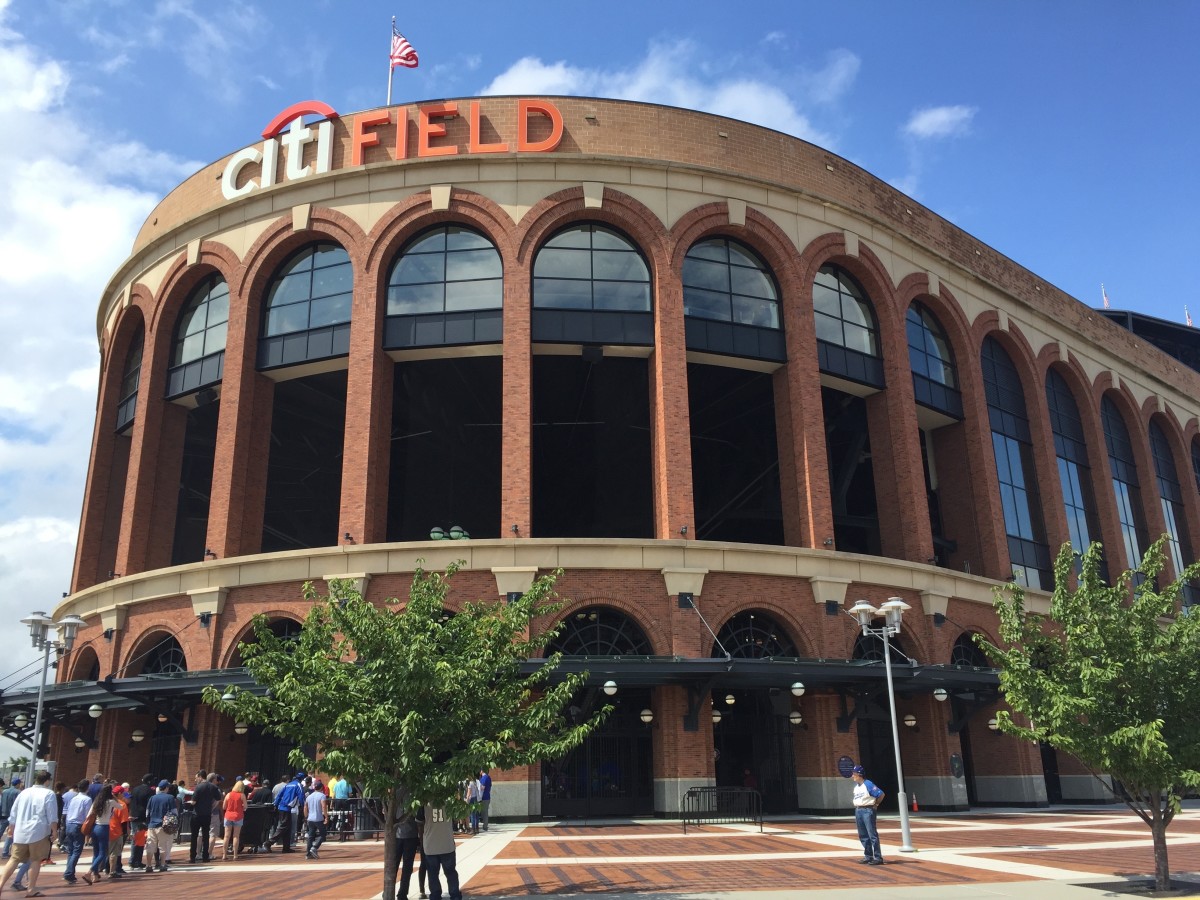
(32, 824)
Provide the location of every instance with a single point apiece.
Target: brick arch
(112, 364)
(784, 616)
(868, 270)
(914, 288)
(1023, 359)
(278, 242)
(81, 662)
(181, 279)
(974, 629)
(138, 654)
(410, 217)
(620, 211)
(660, 642)
(230, 652)
(759, 233)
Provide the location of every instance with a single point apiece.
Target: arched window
(1124, 481)
(166, 658)
(198, 355)
(753, 635)
(966, 652)
(591, 286)
(600, 631)
(935, 377)
(847, 334)
(1011, 446)
(307, 313)
(1074, 473)
(1196, 463)
(445, 287)
(130, 378)
(869, 647)
(731, 301)
(1171, 496)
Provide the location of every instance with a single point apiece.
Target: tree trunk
(1162, 871)
(391, 852)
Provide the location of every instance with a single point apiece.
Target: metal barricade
(722, 806)
(357, 818)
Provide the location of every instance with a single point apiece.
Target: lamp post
(892, 612)
(39, 632)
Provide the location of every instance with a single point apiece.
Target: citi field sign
(287, 130)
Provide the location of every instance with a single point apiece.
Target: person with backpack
(162, 819)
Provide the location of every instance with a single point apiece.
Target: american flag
(403, 53)
(1104, 294)
(1187, 316)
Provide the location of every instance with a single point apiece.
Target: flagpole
(391, 68)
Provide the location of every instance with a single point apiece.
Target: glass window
(1124, 480)
(449, 269)
(203, 322)
(928, 350)
(753, 635)
(1013, 453)
(1171, 495)
(319, 272)
(590, 267)
(843, 313)
(600, 631)
(130, 378)
(1074, 473)
(725, 281)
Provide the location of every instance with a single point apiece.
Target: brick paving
(794, 856)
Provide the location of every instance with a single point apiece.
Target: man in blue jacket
(289, 799)
(867, 798)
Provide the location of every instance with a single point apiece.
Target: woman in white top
(102, 810)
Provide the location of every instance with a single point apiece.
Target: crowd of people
(108, 814)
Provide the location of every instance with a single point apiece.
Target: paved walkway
(1031, 855)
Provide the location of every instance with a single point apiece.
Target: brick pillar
(904, 530)
(682, 759)
(239, 486)
(819, 787)
(104, 487)
(366, 455)
(803, 460)
(516, 469)
(670, 416)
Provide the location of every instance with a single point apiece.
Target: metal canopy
(171, 693)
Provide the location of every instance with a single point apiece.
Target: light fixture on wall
(994, 725)
(797, 719)
(716, 714)
(95, 711)
(205, 619)
(828, 542)
(910, 721)
(730, 699)
(348, 538)
(162, 717)
(108, 633)
(208, 554)
(647, 716)
(136, 737)
(80, 743)
(797, 689)
(456, 533)
(610, 687)
(940, 695)
(21, 720)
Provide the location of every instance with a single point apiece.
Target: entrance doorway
(753, 746)
(611, 772)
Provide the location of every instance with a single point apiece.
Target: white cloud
(679, 74)
(935, 122)
(831, 83)
(72, 197)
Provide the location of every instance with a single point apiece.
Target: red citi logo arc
(287, 130)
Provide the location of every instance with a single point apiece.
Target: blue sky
(1062, 134)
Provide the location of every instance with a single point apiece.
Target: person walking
(287, 801)
(866, 798)
(118, 830)
(100, 816)
(75, 814)
(7, 798)
(138, 798)
(474, 797)
(316, 818)
(158, 839)
(32, 826)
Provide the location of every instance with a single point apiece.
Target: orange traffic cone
(915, 807)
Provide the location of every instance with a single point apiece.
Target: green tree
(407, 699)
(1110, 677)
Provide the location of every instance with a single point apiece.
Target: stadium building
(730, 382)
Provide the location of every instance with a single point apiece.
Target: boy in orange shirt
(118, 827)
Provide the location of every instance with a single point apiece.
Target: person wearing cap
(7, 798)
(287, 802)
(866, 798)
(157, 840)
(96, 786)
(118, 828)
(33, 823)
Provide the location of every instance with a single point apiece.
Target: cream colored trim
(827, 590)
(439, 196)
(851, 240)
(193, 252)
(593, 195)
(514, 579)
(935, 284)
(301, 216)
(737, 212)
(110, 599)
(358, 580)
(209, 600)
(933, 603)
(113, 618)
(684, 581)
